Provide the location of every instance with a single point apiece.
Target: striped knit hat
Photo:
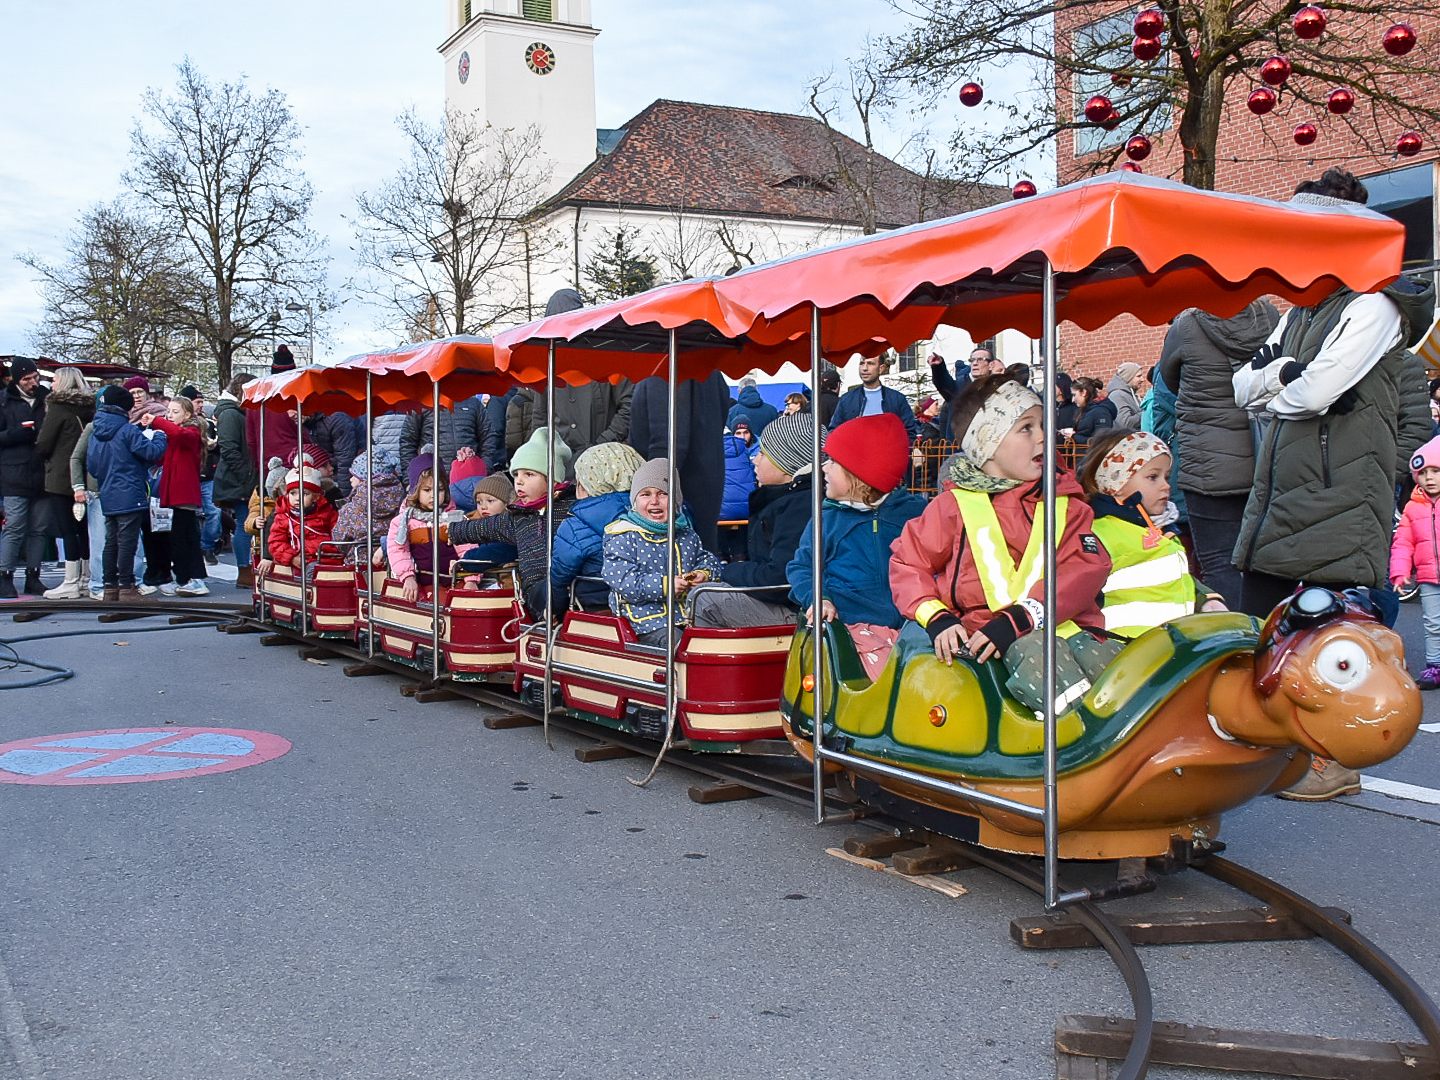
(787, 441)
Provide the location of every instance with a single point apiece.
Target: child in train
(779, 516)
(261, 514)
(479, 494)
(312, 456)
(969, 570)
(636, 556)
(523, 526)
(603, 474)
(1415, 553)
(287, 537)
(384, 481)
(1126, 476)
(866, 507)
(409, 545)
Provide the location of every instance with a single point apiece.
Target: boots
(33, 585)
(1325, 780)
(70, 588)
(129, 594)
(110, 594)
(245, 578)
(7, 586)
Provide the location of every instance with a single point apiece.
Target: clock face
(540, 58)
(464, 68)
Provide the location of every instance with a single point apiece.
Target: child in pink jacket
(1415, 552)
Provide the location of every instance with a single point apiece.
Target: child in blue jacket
(602, 487)
(119, 457)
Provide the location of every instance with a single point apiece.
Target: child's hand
(980, 646)
(378, 559)
(1401, 584)
(264, 566)
(950, 644)
(827, 612)
(410, 589)
(1214, 604)
(682, 585)
(697, 577)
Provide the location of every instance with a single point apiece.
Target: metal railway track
(1135, 1037)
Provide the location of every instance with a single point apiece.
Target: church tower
(520, 62)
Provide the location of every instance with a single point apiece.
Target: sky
(74, 74)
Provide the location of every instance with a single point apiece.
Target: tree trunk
(1199, 130)
(224, 361)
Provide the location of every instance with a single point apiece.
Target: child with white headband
(970, 569)
(1127, 476)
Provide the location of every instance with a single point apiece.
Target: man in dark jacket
(22, 478)
(464, 425)
(779, 516)
(119, 457)
(335, 434)
(497, 458)
(235, 471)
(1215, 447)
(872, 397)
(699, 442)
(752, 407)
(829, 395)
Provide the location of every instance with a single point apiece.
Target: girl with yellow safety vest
(1127, 477)
(970, 569)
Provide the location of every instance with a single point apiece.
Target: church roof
(682, 155)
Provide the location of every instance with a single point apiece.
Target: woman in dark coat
(1094, 412)
(235, 472)
(68, 409)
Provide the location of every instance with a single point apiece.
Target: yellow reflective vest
(1148, 585)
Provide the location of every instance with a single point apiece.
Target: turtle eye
(1342, 664)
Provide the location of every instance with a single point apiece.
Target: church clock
(463, 68)
(540, 58)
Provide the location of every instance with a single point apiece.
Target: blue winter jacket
(635, 571)
(119, 456)
(857, 559)
(852, 404)
(739, 480)
(492, 447)
(580, 549)
(754, 409)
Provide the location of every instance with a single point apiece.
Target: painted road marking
(131, 755)
(1397, 790)
(1430, 727)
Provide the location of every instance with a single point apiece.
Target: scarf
(682, 523)
(971, 477)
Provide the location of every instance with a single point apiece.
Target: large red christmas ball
(1022, 190)
(971, 94)
(1146, 49)
(1261, 101)
(1150, 23)
(1309, 23)
(1111, 122)
(1275, 70)
(1098, 109)
(1137, 148)
(1305, 134)
(1409, 144)
(1130, 166)
(1399, 39)
(1340, 101)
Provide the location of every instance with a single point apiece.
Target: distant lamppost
(309, 322)
(274, 324)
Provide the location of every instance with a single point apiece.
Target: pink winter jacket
(397, 546)
(1415, 551)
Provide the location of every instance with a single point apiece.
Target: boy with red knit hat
(865, 510)
(287, 539)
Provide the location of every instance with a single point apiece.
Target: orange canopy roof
(1121, 243)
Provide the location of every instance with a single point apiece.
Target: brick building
(1257, 155)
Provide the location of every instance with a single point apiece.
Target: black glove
(940, 623)
(1290, 371)
(1007, 624)
(1264, 356)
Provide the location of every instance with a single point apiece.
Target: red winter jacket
(285, 531)
(180, 475)
(930, 561)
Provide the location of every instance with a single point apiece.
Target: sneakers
(194, 587)
(145, 590)
(131, 595)
(1325, 780)
(97, 592)
(7, 587)
(1429, 678)
(169, 589)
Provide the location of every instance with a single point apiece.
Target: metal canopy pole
(300, 468)
(435, 471)
(817, 568)
(549, 702)
(260, 524)
(369, 518)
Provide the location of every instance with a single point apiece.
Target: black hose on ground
(60, 674)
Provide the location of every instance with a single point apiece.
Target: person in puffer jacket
(1415, 552)
(386, 491)
(637, 556)
(386, 432)
(119, 455)
(735, 505)
(602, 487)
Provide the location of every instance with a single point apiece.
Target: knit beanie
(274, 475)
(497, 486)
(282, 360)
(308, 476)
(532, 455)
(787, 441)
(386, 467)
(312, 455)
(116, 398)
(873, 449)
(135, 382)
(189, 392)
(607, 467)
(22, 366)
(1127, 370)
(467, 464)
(1428, 456)
(655, 473)
(419, 464)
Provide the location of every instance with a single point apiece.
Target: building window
(1103, 44)
(907, 359)
(538, 10)
(1408, 196)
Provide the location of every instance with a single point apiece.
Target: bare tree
(218, 166)
(688, 246)
(448, 241)
(1076, 47)
(856, 169)
(118, 294)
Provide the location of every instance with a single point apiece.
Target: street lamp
(309, 322)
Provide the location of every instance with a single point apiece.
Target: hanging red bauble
(1275, 70)
(1022, 190)
(1399, 39)
(1120, 79)
(1340, 101)
(1409, 144)
(1305, 134)
(1137, 148)
(1261, 101)
(1111, 122)
(1130, 166)
(1309, 23)
(1146, 49)
(1098, 109)
(971, 94)
(1150, 23)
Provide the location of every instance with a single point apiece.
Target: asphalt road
(407, 894)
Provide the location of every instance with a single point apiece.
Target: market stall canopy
(1119, 244)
